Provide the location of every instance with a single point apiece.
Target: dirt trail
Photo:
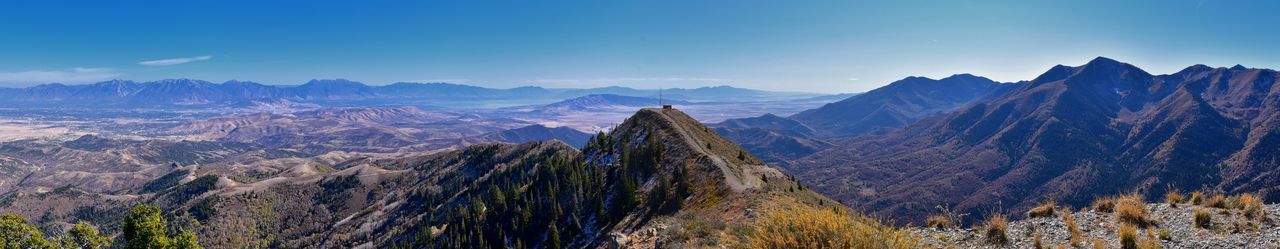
(733, 180)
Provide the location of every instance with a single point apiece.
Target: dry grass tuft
(995, 228)
(940, 222)
(1165, 234)
(1044, 210)
(1150, 242)
(1196, 198)
(1037, 243)
(1251, 206)
(1131, 209)
(1215, 201)
(1098, 244)
(1071, 227)
(1202, 218)
(807, 227)
(1104, 204)
(1173, 198)
(1128, 236)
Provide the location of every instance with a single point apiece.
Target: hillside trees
(83, 235)
(15, 233)
(144, 227)
(552, 198)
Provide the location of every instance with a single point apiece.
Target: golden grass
(1036, 243)
(1131, 209)
(1215, 201)
(1128, 236)
(808, 227)
(1197, 198)
(1104, 204)
(995, 228)
(1098, 244)
(1251, 206)
(1071, 227)
(1043, 210)
(1173, 198)
(940, 222)
(1202, 218)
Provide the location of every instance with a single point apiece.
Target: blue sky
(815, 46)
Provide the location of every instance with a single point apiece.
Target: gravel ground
(1230, 230)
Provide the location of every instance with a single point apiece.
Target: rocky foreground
(1174, 228)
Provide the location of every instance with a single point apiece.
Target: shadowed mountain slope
(539, 133)
(1072, 134)
(898, 104)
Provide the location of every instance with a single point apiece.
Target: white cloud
(853, 79)
(175, 61)
(71, 76)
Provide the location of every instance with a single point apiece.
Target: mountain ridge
(1071, 134)
(127, 93)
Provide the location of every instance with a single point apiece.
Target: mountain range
(1070, 135)
(188, 92)
(595, 102)
(780, 140)
(370, 129)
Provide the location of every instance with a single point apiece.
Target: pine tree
(681, 179)
(16, 233)
(553, 237)
(144, 228)
(186, 240)
(83, 235)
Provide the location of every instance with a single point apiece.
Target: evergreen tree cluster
(143, 228)
(552, 199)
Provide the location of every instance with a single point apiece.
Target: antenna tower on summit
(660, 100)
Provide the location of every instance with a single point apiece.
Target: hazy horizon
(819, 47)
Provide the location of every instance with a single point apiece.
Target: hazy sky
(816, 46)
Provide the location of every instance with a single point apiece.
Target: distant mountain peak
(338, 81)
(1104, 63)
(1238, 67)
(1104, 60)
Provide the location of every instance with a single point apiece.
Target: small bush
(940, 222)
(1131, 209)
(1037, 243)
(995, 229)
(1044, 210)
(1165, 234)
(1215, 201)
(1071, 226)
(1197, 198)
(1251, 206)
(1173, 198)
(1128, 236)
(1202, 218)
